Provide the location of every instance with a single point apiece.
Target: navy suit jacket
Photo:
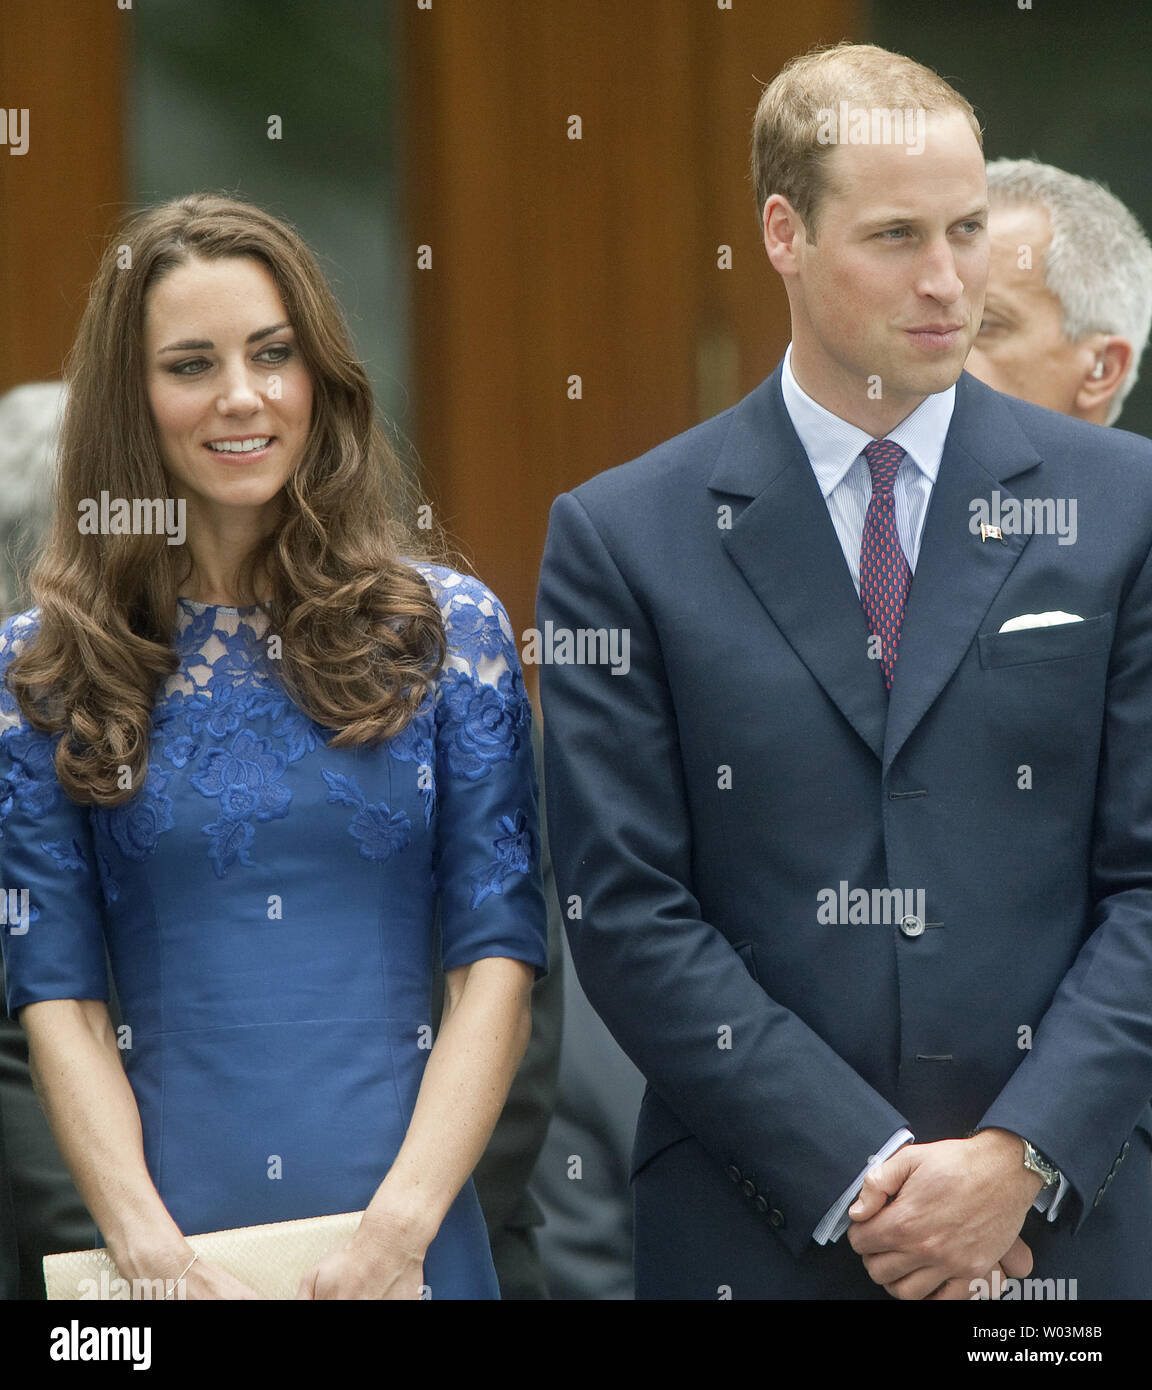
(750, 757)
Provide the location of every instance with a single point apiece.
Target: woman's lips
(241, 456)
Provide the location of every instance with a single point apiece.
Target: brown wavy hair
(362, 635)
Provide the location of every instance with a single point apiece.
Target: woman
(253, 744)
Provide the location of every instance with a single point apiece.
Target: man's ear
(784, 234)
(1104, 374)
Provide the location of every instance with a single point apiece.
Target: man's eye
(895, 233)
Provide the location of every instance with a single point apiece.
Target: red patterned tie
(884, 572)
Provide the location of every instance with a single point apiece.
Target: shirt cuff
(835, 1220)
(1049, 1198)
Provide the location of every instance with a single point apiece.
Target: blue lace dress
(269, 907)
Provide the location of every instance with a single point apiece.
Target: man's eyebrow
(202, 344)
(912, 219)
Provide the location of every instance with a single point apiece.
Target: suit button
(1099, 1198)
(912, 925)
(748, 1187)
(776, 1217)
(734, 1173)
(761, 1205)
(1123, 1152)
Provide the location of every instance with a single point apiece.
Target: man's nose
(938, 278)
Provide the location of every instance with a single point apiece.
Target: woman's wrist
(152, 1255)
(401, 1218)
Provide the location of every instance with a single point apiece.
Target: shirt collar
(833, 445)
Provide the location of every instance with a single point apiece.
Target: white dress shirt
(835, 451)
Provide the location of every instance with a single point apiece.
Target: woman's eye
(270, 357)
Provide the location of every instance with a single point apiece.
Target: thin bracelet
(181, 1275)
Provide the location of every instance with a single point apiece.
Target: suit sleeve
(1087, 1079)
(758, 1088)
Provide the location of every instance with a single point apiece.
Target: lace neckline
(198, 607)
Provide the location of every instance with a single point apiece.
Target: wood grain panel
(63, 64)
(594, 257)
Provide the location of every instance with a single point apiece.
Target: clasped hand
(373, 1263)
(935, 1217)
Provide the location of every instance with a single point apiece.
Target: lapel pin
(991, 533)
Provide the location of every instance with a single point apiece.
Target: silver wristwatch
(1036, 1163)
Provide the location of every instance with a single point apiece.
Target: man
(1069, 301)
(807, 736)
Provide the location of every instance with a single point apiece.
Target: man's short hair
(1099, 264)
(787, 152)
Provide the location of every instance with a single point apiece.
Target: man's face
(1021, 348)
(887, 301)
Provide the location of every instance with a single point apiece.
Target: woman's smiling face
(230, 393)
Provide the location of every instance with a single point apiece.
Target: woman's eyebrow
(198, 344)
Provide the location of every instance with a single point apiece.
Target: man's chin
(926, 378)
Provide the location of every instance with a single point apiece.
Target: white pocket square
(1040, 620)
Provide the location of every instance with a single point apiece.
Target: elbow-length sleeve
(488, 833)
(51, 907)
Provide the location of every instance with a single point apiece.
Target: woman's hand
(375, 1262)
(206, 1280)
(159, 1277)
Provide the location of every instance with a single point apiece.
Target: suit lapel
(957, 574)
(786, 547)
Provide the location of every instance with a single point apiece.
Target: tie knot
(884, 460)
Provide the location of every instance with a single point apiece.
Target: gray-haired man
(1069, 300)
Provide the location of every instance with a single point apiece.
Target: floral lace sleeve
(51, 924)
(488, 849)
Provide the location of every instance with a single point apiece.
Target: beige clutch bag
(270, 1259)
